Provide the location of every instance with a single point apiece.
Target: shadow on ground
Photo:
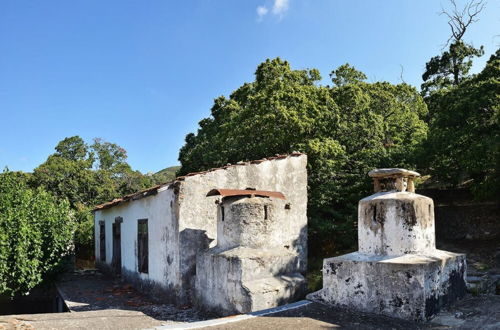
(93, 291)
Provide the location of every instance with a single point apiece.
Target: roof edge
(154, 190)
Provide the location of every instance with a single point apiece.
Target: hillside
(166, 175)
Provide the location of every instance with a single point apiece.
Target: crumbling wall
(198, 212)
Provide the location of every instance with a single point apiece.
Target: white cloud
(280, 7)
(261, 11)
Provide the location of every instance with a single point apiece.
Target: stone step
(485, 284)
(268, 292)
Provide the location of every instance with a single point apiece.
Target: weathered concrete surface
(91, 291)
(410, 286)
(395, 223)
(249, 269)
(99, 302)
(249, 222)
(103, 319)
(397, 270)
(287, 175)
(473, 312)
(242, 280)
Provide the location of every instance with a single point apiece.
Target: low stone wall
(459, 216)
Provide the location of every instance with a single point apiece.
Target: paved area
(101, 319)
(91, 291)
(99, 302)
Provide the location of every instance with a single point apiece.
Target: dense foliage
(87, 175)
(464, 139)
(36, 231)
(346, 130)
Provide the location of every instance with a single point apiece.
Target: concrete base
(411, 287)
(244, 280)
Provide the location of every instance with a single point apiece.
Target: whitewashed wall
(162, 233)
(287, 175)
(199, 213)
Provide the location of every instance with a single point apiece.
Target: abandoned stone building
(153, 238)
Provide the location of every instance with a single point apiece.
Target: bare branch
(401, 74)
(459, 20)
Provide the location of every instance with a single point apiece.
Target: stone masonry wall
(459, 216)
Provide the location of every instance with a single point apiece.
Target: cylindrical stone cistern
(395, 220)
(397, 270)
(248, 269)
(245, 221)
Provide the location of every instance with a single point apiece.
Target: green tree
(72, 148)
(463, 143)
(464, 138)
(109, 156)
(35, 234)
(86, 176)
(345, 75)
(346, 130)
(453, 65)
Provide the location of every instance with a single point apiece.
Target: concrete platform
(412, 287)
(88, 312)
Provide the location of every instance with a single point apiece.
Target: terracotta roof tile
(154, 190)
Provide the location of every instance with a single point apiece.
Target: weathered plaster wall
(242, 279)
(162, 228)
(249, 269)
(397, 270)
(198, 213)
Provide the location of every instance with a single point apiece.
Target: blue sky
(143, 73)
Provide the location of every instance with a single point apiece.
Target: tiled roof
(154, 190)
(245, 192)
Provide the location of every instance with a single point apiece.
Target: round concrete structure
(245, 221)
(396, 223)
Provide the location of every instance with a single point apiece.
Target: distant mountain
(166, 175)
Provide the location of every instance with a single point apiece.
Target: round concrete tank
(245, 221)
(395, 221)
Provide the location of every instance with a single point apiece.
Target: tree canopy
(464, 139)
(87, 175)
(346, 130)
(453, 65)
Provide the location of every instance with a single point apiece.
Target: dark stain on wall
(456, 290)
